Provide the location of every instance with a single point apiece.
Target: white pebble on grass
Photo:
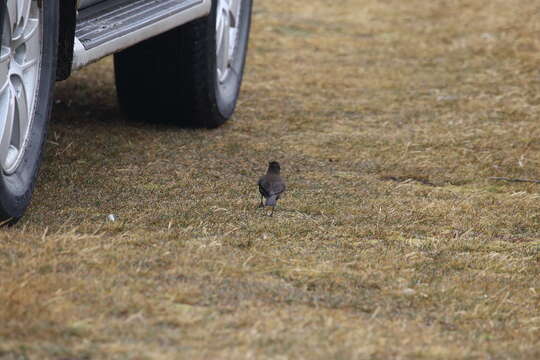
(409, 292)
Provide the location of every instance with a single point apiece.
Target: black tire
(172, 78)
(16, 188)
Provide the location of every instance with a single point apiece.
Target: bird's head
(273, 167)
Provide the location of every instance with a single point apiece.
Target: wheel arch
(68, 17)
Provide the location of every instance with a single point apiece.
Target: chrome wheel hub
(20, 60)
(228, 15)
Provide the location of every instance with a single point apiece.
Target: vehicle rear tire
(189, 76)
(29, 39)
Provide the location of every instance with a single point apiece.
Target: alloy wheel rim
(227, 18)
(20, 60)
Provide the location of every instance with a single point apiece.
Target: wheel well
(68, 16)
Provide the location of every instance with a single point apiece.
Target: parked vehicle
(176, 61)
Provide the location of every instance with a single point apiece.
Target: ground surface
(389, 117)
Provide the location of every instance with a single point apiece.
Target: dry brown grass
(388, 116)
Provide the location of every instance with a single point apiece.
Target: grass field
(389, 117)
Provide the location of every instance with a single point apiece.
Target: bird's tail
(271, 201)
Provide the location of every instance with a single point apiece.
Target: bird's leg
(262, 203)
(272, 213)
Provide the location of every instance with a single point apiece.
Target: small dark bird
(271, 186)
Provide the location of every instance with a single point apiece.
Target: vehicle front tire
(189, 76)
(27, 76)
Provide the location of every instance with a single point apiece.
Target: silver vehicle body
(99, 34)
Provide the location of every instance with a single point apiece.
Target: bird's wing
(278, 187)
(263, 187)
(270, 185)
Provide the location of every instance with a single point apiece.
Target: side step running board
(113, 25)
